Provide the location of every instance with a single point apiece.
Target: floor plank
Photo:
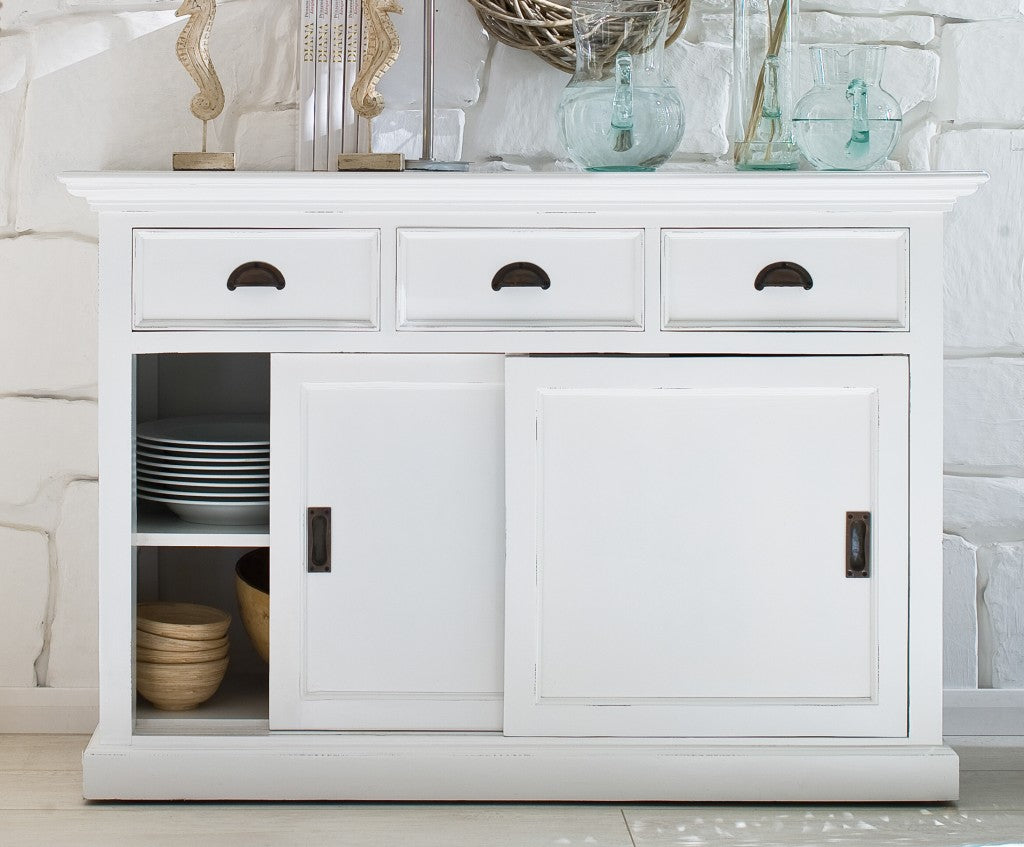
(275, 825)
(42, 752)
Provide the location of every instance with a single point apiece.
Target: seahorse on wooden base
(382, 46)
(193, 49)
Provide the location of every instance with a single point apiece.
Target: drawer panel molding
(520, 279)
(785, 279)
(255, 278)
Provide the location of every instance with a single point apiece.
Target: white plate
(206, 497)
(172, 450)
(200, 459)
(226, 430)
(174, 484)
(159, 473)
(201, 470)
(224, 514)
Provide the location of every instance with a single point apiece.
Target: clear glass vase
(619, 112)
(847, 122)
(764, 39)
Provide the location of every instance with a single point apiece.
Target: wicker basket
(544, 27)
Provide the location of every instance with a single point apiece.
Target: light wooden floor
(40, 804)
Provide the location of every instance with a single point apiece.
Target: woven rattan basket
(544, 27)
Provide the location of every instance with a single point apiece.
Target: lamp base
(203, 161)
(371, 162)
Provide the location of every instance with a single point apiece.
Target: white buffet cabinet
(634, 483)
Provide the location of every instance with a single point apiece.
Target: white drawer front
(858, 278)
(446, 278)
(180, 278)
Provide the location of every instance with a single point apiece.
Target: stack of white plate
(210, 469)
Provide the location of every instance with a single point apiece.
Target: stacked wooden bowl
(181, 653)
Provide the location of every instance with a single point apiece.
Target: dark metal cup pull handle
(784, 275)
(256, 275)
(858, 545)
(521, 275)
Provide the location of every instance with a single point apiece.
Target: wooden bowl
(180, 657)
(176, 688)
(252, 585)
(187, 621)
(180, 645)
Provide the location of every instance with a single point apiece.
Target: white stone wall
(93, 84)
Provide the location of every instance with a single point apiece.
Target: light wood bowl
(176, 688)
(252, 586)
(187, 621)
(179, 645)
(180, 657)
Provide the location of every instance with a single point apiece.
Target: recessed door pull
(318, 539)
(858, 545)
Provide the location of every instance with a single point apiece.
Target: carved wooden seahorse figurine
(193, 49)
(382, 46)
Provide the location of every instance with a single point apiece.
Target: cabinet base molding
(445, 768)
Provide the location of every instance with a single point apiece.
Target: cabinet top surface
(143, 192)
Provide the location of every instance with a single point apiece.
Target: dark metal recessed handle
(318, 539)
(521, 275)
(256, 275)
(858, 545)
(784, 275)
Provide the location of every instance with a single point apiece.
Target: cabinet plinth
(656, 516)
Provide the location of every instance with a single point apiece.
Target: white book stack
(330, 47)
(307, 84)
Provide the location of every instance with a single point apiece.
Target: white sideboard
(634, 483)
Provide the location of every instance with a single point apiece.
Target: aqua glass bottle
(764, 38)
(847, 121)
(619, 112)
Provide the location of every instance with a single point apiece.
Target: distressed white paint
(892, 725)
(1002, 566)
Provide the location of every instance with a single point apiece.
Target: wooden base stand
(371, 162)
(203, 161)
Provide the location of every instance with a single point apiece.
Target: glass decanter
(619, 112)
(847, 122)
(764, 34)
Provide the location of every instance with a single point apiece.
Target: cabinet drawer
(854, 278)
(523, 278)
(327, 278)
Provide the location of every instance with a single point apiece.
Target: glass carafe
(619, 112)
(847, 122)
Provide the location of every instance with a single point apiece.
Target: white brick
(984, 414)
(914, 148)
(983, 509)
(982, 78)
(266, 141)
(13, 80)
(702, 74)
(48, 342)
(1001, 568)
(516, 114)
(959, 614)
(826, 27)
(44, 440)
(962, 9)
(73, 632)
(984, 240)
(24, 574)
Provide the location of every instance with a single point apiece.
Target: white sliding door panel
(405, 631)
(677, 555)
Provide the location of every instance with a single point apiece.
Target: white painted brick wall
(93, 84)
